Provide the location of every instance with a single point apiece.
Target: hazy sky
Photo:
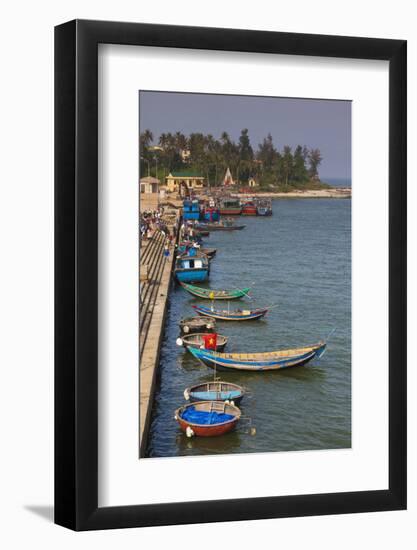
(323, 124)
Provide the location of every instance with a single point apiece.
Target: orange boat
(207, 418)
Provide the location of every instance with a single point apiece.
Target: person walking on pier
(166, 251)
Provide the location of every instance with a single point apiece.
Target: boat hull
(264, 212)
(204, 293)
(250, 211)
(209, 252)
(196, 340)
(230, 211)
(225, 316)
(191, 275)
(265, 362)
(221, 227)
(208, 430)
(195, 325)
(188, 216)
(215, 391)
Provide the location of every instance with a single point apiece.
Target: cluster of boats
(214, 208)
(212, 407)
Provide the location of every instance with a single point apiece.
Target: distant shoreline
(333, 193)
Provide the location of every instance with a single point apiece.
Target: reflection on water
(298, 260)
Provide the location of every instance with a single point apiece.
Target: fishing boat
(211, 294)
(191, 209)
(232, 315)
(191, 325)
(196, 340)
(211, 214)
(192, 266)
(185, 246)
(226, 225)
(264, 208)
(215, 391)
(230, 207)
(193, 238)
(272, 360)
(202, 233)
(207, 418)
(209, 252)
(249, 209)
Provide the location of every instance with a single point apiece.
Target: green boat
(210, 294)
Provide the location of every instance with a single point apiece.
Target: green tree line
(287, 168)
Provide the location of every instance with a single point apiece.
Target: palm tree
(287, 161)
(146, 138)
(314, 158)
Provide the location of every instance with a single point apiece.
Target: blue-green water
(300, 259)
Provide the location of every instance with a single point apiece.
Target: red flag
(210, 341)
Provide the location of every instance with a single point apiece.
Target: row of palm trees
(210, 157)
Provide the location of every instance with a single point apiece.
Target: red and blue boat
(207, 418)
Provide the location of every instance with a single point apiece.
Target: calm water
(338, 182)
(300, 259)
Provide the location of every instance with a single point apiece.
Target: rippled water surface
(299, 259)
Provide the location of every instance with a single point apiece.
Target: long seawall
(156, 276)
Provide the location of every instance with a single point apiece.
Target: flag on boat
(210, 341)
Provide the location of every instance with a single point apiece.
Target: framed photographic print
(230, 275)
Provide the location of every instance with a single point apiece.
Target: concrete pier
(156, 275)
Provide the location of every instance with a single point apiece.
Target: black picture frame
(76, 272)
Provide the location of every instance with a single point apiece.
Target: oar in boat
(244, 293)
(330, 334)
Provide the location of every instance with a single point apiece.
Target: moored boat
(196, 340)
(249, 209)
(217, 390)
(202, 233)
(191, 209)
(230, 207)
(192, 266)
(207, 418)
(264, 207)
(226, 225)
(211, 294)
(273, 360)
(185, 246)
(191, 325)
(232, 315)
(210, 252)
(211, 214)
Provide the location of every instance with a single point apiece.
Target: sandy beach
(333, 193)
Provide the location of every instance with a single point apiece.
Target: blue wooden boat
(252, 362)
(191, 210)
(191, 267)
(215, 391)
(232, 315)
